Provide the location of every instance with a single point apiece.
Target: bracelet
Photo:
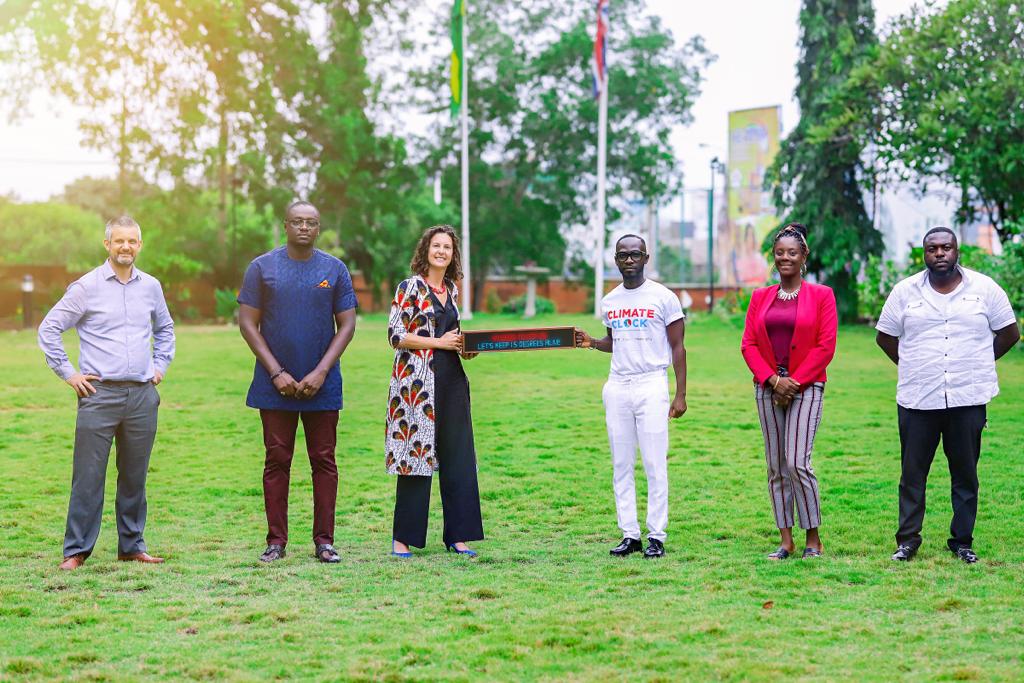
(277, 374)
(776, 382)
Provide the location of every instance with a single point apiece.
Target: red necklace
(437, 290)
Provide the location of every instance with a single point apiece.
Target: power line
(57, 162)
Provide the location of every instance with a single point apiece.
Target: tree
(370, 198)
(199, 91)
(817, 172)
(533, 121)
(950, 104)
(104, 196)
(50, 233)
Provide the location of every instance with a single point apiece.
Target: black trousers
(960, 429)
(456, 475)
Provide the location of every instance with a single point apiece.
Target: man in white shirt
(644, 323)
(944, 328)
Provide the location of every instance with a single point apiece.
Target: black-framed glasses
(299, 222)
(630, 255)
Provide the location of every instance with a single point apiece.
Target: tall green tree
(197, 92)
(533, 120)
(367, 192)
(950, 104)
(817, 173)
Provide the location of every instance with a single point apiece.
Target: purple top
(780, 319)
(124, 329)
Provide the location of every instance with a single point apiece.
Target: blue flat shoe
(467, 553)
(394, 554)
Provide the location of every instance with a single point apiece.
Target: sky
(755, 41)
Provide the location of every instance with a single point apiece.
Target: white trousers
(636, 412)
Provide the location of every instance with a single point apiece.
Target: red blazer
(814, 337)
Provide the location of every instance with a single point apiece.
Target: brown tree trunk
(122, 160)
(222, 151)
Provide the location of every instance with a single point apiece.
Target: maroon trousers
(321, 427)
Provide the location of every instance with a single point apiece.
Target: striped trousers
(788, 441)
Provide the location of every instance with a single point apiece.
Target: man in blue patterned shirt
(298, 314)
(126, 337)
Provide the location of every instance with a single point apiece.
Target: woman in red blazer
(788, 341)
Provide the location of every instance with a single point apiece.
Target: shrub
(492, 302)
(225, 305)
(518, 305)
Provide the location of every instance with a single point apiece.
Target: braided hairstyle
(797, 231)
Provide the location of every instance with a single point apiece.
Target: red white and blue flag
(600, 67)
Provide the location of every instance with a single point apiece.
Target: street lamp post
(716, 167)
(28, 286)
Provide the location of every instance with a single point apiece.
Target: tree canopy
(950, 104)
(818, 169)
(533, 127)
(244, 105)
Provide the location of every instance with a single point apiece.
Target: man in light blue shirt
(126, 338)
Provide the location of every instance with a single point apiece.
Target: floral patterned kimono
(410, 430)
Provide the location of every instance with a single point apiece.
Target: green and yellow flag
(458, 19)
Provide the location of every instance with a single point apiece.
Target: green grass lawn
(544, 600)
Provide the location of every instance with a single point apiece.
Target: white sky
(756, 44)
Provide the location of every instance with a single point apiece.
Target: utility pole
(716, 166)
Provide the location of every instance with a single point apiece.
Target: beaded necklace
(783, 295)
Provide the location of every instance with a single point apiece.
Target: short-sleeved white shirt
(946, 356)
(638, 319)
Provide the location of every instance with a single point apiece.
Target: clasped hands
(305, 389)
(783, 389)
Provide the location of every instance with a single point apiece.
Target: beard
(946, 268)
(125, 259)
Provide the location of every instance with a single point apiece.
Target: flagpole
(602, 144)
(467, 280)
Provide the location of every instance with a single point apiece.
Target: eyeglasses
(299, 222)
(630, 255)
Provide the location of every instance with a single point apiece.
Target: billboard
(753, 143)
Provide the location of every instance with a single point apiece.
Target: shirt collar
(108, 271)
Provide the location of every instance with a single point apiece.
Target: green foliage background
(221, 113)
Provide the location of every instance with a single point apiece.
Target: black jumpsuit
(456, 456)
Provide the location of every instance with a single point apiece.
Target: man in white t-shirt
(944, 328)
(644, 324)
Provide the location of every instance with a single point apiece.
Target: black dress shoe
(904, 552)
(655, 548)
(965, 554)
(628, 545)
(272, 553)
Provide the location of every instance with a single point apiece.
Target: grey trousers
(788, 442)
(124, 413)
